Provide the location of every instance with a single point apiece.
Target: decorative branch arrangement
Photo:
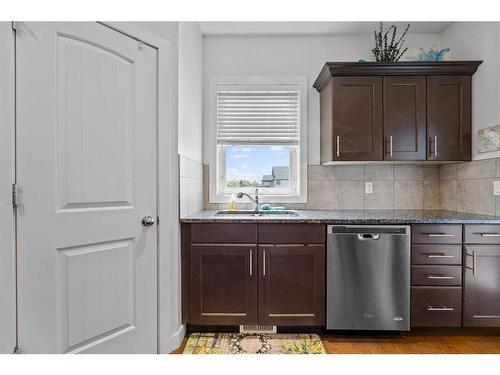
(387, 52)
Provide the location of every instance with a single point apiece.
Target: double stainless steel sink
(252, 213)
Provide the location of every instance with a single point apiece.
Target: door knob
(147, 221)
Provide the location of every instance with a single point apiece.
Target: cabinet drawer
(436, 275)
(436, 234)
(436, 306)
(482, 234)
(224, 233)
(436, 254)
(292, 233)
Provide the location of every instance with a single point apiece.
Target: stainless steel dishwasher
(368, 277)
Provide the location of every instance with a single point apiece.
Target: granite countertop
(363, 217)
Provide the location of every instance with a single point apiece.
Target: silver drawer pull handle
(263, 262)
(430, 308)
(440, 256)
(490, 234)
(473, 268)
(440, 277)
(440, 235)
(251, 261)
(338, 146)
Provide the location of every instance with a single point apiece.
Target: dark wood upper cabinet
(223, 284)
(291, 285)
(449, 117)
(422, 109)
(404, 117)
(357, 118)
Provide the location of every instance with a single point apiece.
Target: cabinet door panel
(223, 284)
(436, 254)
(224, 233)
(436, 306)
(482, 286)
(449, 118)
(292, 233)
(436, 275)
(436, 234)
(357, 118)
(404, 117)
(292, 285)
(485, 234)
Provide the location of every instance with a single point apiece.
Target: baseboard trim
(176, 338)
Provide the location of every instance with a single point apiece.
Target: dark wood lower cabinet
(274, 278)
(291, 285)
(223, 284)
(436, 275)
(482, 286)
(436, 306)
(267, 275)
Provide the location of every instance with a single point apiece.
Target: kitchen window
(258, 127)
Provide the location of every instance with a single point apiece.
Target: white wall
(190, 118)
(479, 41)
(288, 55)
(190, 90)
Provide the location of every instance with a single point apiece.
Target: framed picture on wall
(489, 139)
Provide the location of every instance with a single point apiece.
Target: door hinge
(157, 220)
(15, 196)
(14, 25)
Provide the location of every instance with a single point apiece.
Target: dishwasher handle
(368, 236)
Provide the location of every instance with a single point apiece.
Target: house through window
(258, 138)
(257, 166)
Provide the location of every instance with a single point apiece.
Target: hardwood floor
(418, 341)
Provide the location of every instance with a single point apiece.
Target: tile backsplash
(394, 187)
(462, 187)
(190, 186)
(468, 187)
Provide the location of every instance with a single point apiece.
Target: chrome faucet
(255, 200)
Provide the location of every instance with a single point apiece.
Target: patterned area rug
(242, 343)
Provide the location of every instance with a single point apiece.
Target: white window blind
(258, 117)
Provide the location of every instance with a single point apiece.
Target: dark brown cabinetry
(357, 118)
(404, 117)
(436, 306)
(291, 285)
(482, 276)
(268, 274)
(436, 276)
(223, 284)
(395, 111)
(449, 117)
(274, 274)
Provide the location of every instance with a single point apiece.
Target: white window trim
(214, 81)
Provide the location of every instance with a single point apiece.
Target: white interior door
(7, 250)
(86, 124)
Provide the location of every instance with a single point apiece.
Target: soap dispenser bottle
(232, 203)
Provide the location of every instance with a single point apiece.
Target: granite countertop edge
(351, 217)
